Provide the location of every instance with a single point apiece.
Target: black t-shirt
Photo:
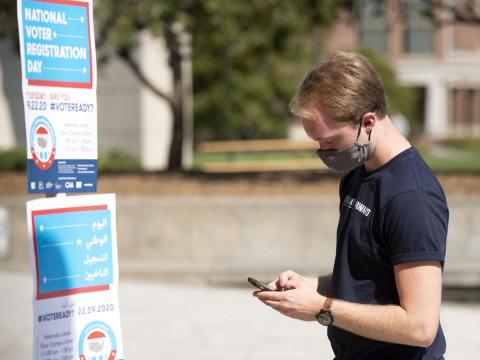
(393, 215)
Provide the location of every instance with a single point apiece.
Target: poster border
(80, 290)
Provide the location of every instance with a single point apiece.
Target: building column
(156, 118)
(436, 122)
(460, 112)
(476, 112)
(395, 31)
(187, 98)
(441, 32)
(7, 133)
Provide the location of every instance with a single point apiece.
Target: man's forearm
(389, 323)
(413, 323)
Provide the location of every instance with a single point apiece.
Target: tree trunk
(175, 158)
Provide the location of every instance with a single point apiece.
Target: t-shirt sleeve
(415, 227)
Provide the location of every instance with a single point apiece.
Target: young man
(382, 300)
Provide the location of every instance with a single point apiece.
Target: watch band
(327, 304)
(325, 317)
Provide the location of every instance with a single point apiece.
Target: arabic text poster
(73, 248)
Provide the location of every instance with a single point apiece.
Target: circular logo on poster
(97, 341)
(42, 143)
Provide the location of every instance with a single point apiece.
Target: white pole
(187, 103)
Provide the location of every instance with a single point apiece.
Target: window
(372, 24)
(465, 110)
(417, 27)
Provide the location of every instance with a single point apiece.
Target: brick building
(429, 51)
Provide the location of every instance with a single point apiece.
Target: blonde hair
(346, 85)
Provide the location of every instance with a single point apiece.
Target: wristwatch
(325, 316)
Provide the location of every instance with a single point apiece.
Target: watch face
(325, 318)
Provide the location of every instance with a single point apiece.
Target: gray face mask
(346, 159)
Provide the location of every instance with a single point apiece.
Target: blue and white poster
(80, 236)
(57, 49)
(73, 248)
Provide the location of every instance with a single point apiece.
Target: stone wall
(225, 239)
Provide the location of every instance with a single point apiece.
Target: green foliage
(245, 71)
(117, 161)
(463, 143)
(248, 59)
(8, 19)
(452, 155)
(119, 22)
(466, 163)
(248, 56)
(13, 160)
(109, 161)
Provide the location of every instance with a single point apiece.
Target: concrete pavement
(184, 322)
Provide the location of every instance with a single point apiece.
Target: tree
(8, 18)
(121, 21)
(243, 52)
(243, 56)
(249, 58)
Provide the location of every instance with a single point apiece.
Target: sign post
(72, 240)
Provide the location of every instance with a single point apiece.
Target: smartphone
(260, 285)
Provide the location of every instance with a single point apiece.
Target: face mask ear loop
(369, 135)
(359, 129)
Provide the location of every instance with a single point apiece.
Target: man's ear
(368, 121)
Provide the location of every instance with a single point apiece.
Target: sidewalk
(185, 322)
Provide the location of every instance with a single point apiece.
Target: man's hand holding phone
(285, 281)
(295, 296)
